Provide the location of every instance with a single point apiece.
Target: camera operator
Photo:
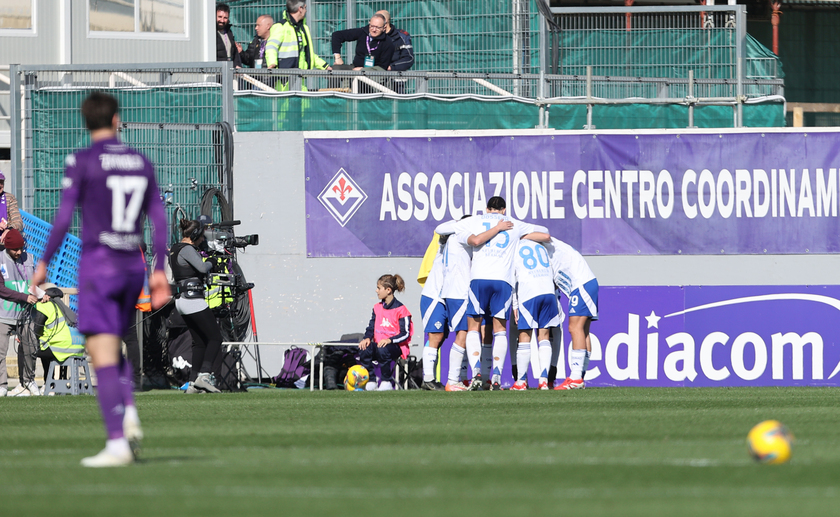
(189, 271)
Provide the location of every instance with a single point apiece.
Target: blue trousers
(384, 356)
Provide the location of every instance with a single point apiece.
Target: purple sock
(109, 394)
(127, 382)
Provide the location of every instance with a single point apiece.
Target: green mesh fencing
(662, 53)
(642, 116)
(451, 35)
(297, 113)
(648, 53)
(292, 113)
(490, 36)
(161, 123)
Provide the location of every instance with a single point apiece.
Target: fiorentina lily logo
(342, 197)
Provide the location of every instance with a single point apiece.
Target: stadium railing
(272, 100)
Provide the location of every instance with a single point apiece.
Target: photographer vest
(180, 272)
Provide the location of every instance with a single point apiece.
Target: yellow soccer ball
(770, 442)
(357, 377)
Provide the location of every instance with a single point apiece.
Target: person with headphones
(189, 271)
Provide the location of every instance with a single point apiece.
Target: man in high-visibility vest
(290, 43)
(52, 323)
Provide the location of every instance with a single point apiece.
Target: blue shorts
(539, 313)
(106, 303)
(456, 309)
(490, 297)
(584, 300)
(434, 315)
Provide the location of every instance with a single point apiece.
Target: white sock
(118, 447)
(456, 359)
(486, 360)
(474, 351)
(429, 358)
(523, 359)
(500, 351)
(576, 364)
(585, 365)
(465, 368)
(131, 414)
(545, 358)
(535, 355)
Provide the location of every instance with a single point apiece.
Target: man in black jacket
(254, 56)
(403, 58)
(226, 47)
(373, 47)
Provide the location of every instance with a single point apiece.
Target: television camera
(220, 236)
(226, 277)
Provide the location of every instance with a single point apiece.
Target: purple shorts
(106, 302)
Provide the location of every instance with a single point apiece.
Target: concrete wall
(299, 299)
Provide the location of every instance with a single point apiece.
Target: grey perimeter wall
(299, 299)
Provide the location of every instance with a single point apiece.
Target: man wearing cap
(9, 213)
(17, 267)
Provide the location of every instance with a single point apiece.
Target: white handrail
(112, 82)
(492, 87)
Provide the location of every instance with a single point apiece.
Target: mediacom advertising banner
(723, 336)
(746, 193)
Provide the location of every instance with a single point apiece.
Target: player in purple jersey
(114, 186)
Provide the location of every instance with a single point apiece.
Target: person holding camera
(189, 271)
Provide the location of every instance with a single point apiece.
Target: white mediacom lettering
(630, 342)
(719, 356)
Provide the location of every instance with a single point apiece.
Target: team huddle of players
(487, 265)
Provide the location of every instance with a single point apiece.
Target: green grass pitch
(611, 451)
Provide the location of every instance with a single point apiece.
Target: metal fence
(648, 42)
(174, 114)
(529, 86)
(298, 100)
(490, 36)
(177, 115)
(508, 36)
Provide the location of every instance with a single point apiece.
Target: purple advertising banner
(605, 194)
(720, 336)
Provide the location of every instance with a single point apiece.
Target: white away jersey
(569, 268)
(493, 260)
(534, 276)
(434, 282)
(457, 261)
